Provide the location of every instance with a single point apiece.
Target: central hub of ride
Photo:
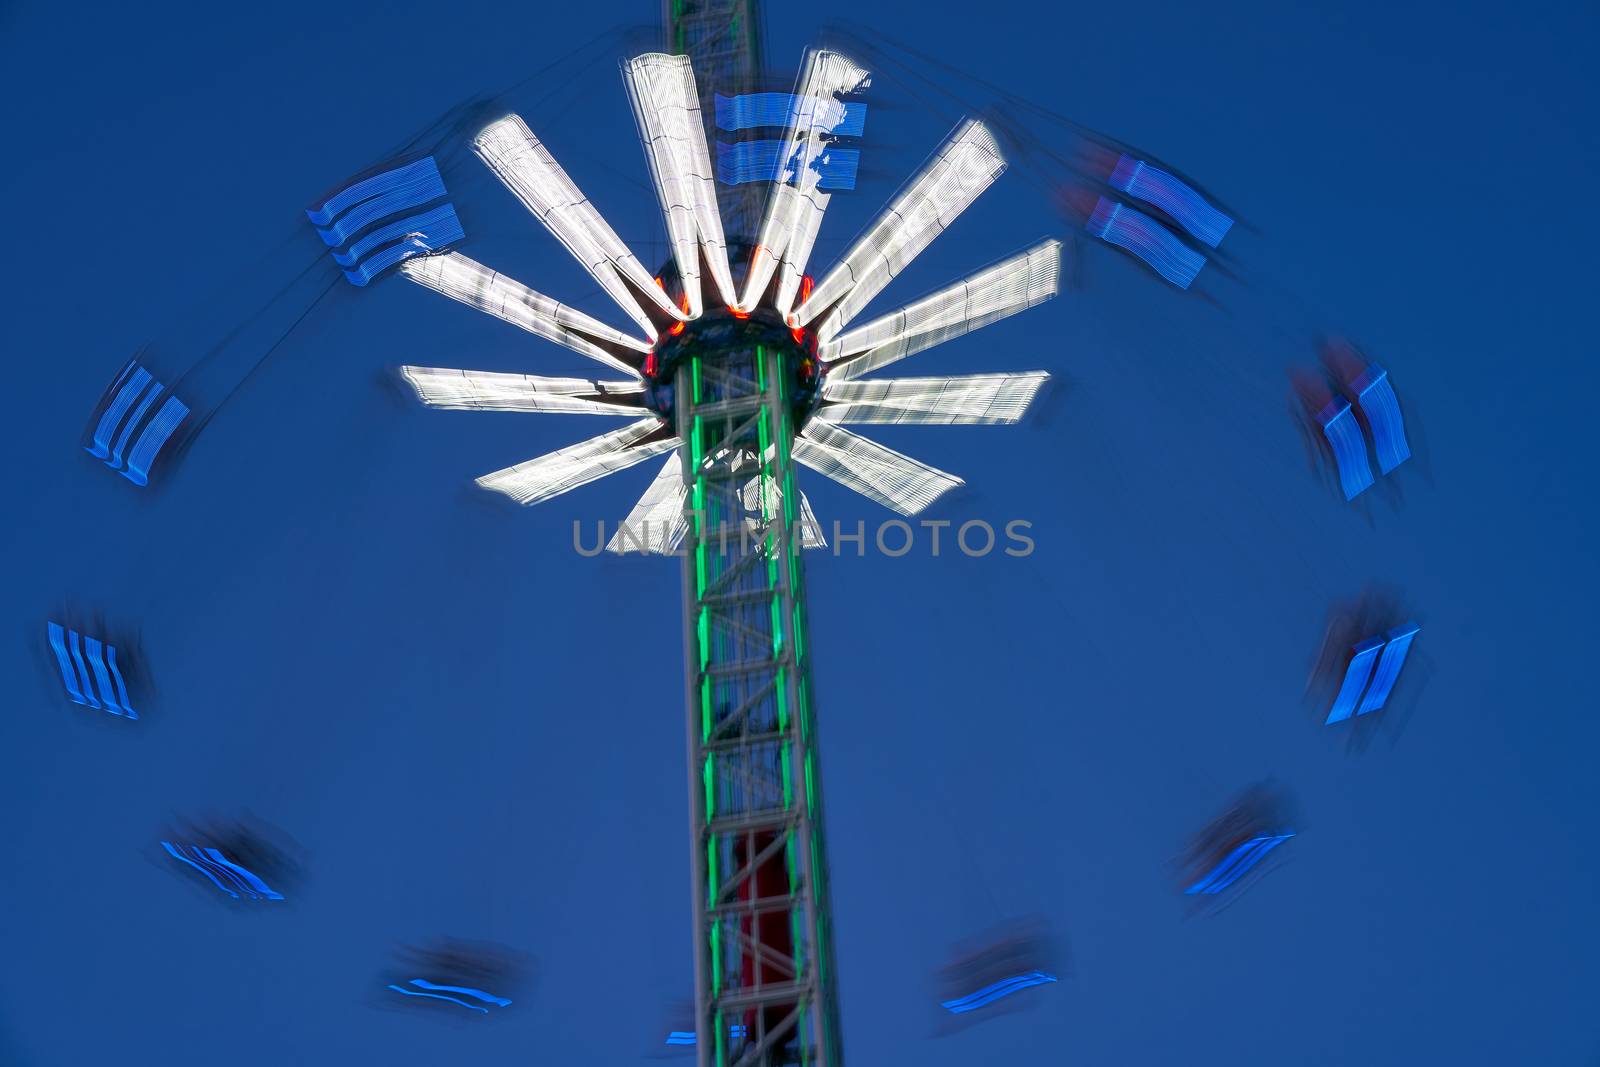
(726, 331)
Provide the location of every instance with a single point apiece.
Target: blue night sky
(470, 731)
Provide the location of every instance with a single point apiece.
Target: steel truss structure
(763, 957)
(763, 953)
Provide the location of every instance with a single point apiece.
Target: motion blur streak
(991, 993)
(1237, 862)
(437, 996)
(1158, 188)
(1355, 679)
(1138, 233)
(89, 671)
(1349, 450)
(211, 863)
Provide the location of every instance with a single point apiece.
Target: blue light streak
(211, 863)
(437, 996)
(440, 219)
(180, 857)
(1382, 408)
(412, 186)
(256, 885)
(128, 387)
(114, 461)
(487, 998)
(763, 161)
(754, 110)
(89, 671)
(391, 203)
(132, 396)
(1394, 657)
(1138, 233)
(156, 434)
(122, 686)
(1237, 862)
(368, 188)
(64, 661)
(687, 1037)
(95, 653)
(438, 237)
(991, 993)
(1156, 187)
(1338, 424)
(1355, 680)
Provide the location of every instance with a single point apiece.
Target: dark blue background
(471, 731)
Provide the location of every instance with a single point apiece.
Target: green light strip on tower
(705, 710)
(708, 772)
(712, 885)
(782, 700)
(697, 512)
(716, 954)
(788, 786)
(811, 792)
(822, 940)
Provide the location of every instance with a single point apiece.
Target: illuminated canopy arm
(667, 109)
(551, 475)
(656, 524)
(477, 390)
(528, 169)
(1030, 277)
(972, 399)
(898, 482)
(477, 286)
(794, 212)
(964, 167)
(809, 529)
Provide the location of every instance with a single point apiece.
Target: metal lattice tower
(763, 958)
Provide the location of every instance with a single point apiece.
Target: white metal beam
(966, 165)
(527, 168)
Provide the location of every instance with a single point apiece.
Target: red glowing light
(736, 313)
(676, 328)
(799, 335)
(806, 283)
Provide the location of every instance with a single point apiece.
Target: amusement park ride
(745, 367)
(741, 365)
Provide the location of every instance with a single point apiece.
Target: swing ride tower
(764, 978)
(742, 377)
